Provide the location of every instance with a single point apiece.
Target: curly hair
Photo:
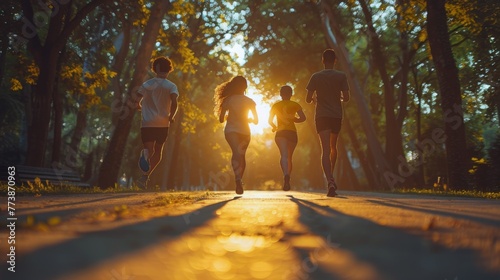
(237, 85)
(162, 64)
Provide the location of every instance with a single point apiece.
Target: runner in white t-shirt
(230, 98)
(158, 107)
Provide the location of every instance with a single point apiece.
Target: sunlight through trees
(70, 71)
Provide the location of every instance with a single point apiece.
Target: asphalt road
(260, 235)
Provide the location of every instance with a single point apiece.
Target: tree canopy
(423, 75)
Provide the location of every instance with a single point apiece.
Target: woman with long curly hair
(230, 99)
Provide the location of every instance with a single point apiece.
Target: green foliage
(463, 193)
(282, 42)
(38, 187)
(84, 85)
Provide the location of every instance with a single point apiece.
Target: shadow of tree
(394, 254)
(486, 221)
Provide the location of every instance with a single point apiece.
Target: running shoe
(286, 184)
(332, 187)
(143, 182)
(143, 163)
(239, 187)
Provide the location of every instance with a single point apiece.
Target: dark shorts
(288, 135)
(326, 123)
(154, 134)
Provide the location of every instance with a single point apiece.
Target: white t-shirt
(156, 101)
(238, 107)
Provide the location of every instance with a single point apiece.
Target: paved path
(260, 235)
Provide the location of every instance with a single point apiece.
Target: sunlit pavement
(286, 235)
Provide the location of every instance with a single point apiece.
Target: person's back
(285, 111)
(328, 84)
(238, 107)
(156, 102)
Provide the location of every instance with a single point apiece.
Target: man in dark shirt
(331, 90)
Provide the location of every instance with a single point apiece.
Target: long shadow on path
(60, 210)
(393, 253)
(439, 212)
(94, 248)
(80, 202)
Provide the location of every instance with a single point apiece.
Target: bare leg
(239, 147)
(333, 150)
(286, 149)
(291, 149)
(156, 156)
(285, 159)
(326, 153)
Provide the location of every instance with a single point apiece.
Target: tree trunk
(46, 56)
(41, 100)
(81, 124)
(451, 100)
(58, 122)
(394, 142)
(4, 44)
(58, 112)
(365, 164)
(173, 163)
(117, 67)
(108, 173)
(418, 117)
(347, 178)
(89, 163)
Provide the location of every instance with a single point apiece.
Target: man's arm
(346, 96)
(173, 107)
(309, 96)
(136, 99)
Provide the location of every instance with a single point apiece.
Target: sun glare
(263, 105)
(263, 108)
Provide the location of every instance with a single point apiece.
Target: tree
(450, 93)
(46, 45)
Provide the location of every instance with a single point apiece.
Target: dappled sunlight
(240, 243)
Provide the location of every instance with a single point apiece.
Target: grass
(179, 198)
(39, 187)
(452, 193)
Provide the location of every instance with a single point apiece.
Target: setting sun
(263, 107)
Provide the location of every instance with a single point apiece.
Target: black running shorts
(154, 134)
(326, 123)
